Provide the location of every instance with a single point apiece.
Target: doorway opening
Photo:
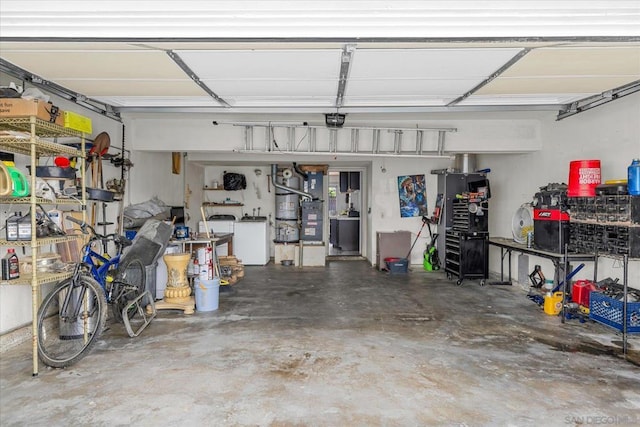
(344, 208)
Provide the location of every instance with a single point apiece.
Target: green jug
(19, 180)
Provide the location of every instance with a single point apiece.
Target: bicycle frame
(99, 266)
(78, 306)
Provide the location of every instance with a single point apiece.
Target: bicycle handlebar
(84, 226)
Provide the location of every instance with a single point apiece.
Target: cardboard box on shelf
(18, 107)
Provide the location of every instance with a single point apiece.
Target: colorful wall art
(412, 193)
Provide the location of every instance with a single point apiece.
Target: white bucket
(207, 294)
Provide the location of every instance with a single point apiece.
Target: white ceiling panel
(371, 64)
(584, 61)
(395, 100)
(159, 101)
(268, 77)
(563, 70)
(284, 101)
(421, 76)
(565, 84)
(531, 99)
(263, 65)
(391, 86)
(97, 64)
(262, 88)
(296, 74)
(22, 46)
(95, 87)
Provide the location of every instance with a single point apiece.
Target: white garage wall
(489, 132)
(152, 176)
(385, 205)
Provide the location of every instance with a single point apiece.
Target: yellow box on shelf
(77, 122)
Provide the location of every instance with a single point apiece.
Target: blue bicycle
(73, 315)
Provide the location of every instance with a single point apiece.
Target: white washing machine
(251, 242)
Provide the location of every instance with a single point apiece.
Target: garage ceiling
(274, 58)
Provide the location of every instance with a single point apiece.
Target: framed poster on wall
(412, 193)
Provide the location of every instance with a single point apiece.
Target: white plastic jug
(6, 184)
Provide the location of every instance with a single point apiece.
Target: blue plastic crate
(398, 266)
(608, 311)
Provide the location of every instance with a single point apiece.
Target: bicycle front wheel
(70, 320)
(130, 283)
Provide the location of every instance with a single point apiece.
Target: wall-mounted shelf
(43, 129)
(40, 201)
(42, 241)
(41, 280)
(205, 204)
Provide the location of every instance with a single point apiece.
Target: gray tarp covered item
(136, 215)
(150, 242)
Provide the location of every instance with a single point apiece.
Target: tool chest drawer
(466, 255)
(470, 216)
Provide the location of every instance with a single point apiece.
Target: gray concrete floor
(342, 345)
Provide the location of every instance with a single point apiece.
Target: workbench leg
(625, 275)
(502, 256)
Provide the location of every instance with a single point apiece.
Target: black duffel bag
(234, 181)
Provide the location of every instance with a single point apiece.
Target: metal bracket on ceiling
(345, 66)
(493, 76)
(81, 100)
(596, 100)
(196, 79)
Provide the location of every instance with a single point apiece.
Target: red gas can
(581, 290)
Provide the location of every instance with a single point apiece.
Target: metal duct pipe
(299, 171)
(274, 172)
(465, 163)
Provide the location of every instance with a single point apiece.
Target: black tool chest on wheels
(467, 242)
(466, 256)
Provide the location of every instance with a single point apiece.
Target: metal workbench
(508, 245)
